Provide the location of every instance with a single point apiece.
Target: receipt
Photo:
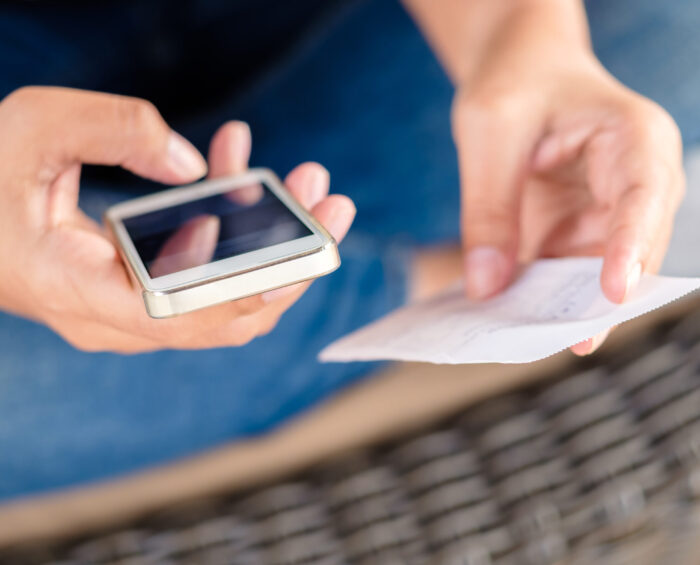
(555, 303)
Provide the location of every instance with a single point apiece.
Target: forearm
(463, 31)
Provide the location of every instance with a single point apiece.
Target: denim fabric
(355, 88)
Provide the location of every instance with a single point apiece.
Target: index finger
(104, 129)
(639, 234)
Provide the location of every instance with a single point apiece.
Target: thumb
(106, 129)
(492, 163)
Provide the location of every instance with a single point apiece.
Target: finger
(94, 337)
(229, 150)
(229, 153)
(657, 255)
(494, 141)
(242, 330)
(191, 245)
(336, 213)
(560, 147)
(124, 308)
(309, 183)
(234, 323)
(638, 171)
(104, 129)
(630, 238)
(590, 345)
(246, 195)
(107, 296)
(95, 285)
(639, 227)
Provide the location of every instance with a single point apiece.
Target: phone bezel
(222, 268)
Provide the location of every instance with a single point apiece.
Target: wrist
(532, 34)
(465, 34)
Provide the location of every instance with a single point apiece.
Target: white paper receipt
(554, 304)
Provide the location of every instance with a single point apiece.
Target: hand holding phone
(60, 268)
(219, 240)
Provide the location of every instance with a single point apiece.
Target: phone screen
(194, 233)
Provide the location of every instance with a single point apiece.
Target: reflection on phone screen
(194, 233)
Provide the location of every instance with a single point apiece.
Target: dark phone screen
(212, 228)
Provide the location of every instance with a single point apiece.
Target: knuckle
(250, 305)
(655, 155)
(485, 104)
(25, 95)
(139, 117)
(244, 332)
(658, 118)
(163, 332)
(245, 338)
(661, 178)
(269, 325)
(650, 123)
(665, 123)
(681, 188)
(83, 345)
(22, 111)
(489, 209)
(54, 305)
(490, 222)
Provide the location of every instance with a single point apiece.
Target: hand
(557, 158)
(59, 267)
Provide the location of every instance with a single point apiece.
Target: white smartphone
(220, 240)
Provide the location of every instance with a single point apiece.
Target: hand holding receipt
(554, 304)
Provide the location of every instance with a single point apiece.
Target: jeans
(353, 86)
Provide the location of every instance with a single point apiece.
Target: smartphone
(219, 240)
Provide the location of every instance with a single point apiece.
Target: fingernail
(185, 157)
(599, 339)
(633, 277)
(584, 347)
(485, 271)
(340, 221)
(590, 345)
(319, 180)
(273, 295)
